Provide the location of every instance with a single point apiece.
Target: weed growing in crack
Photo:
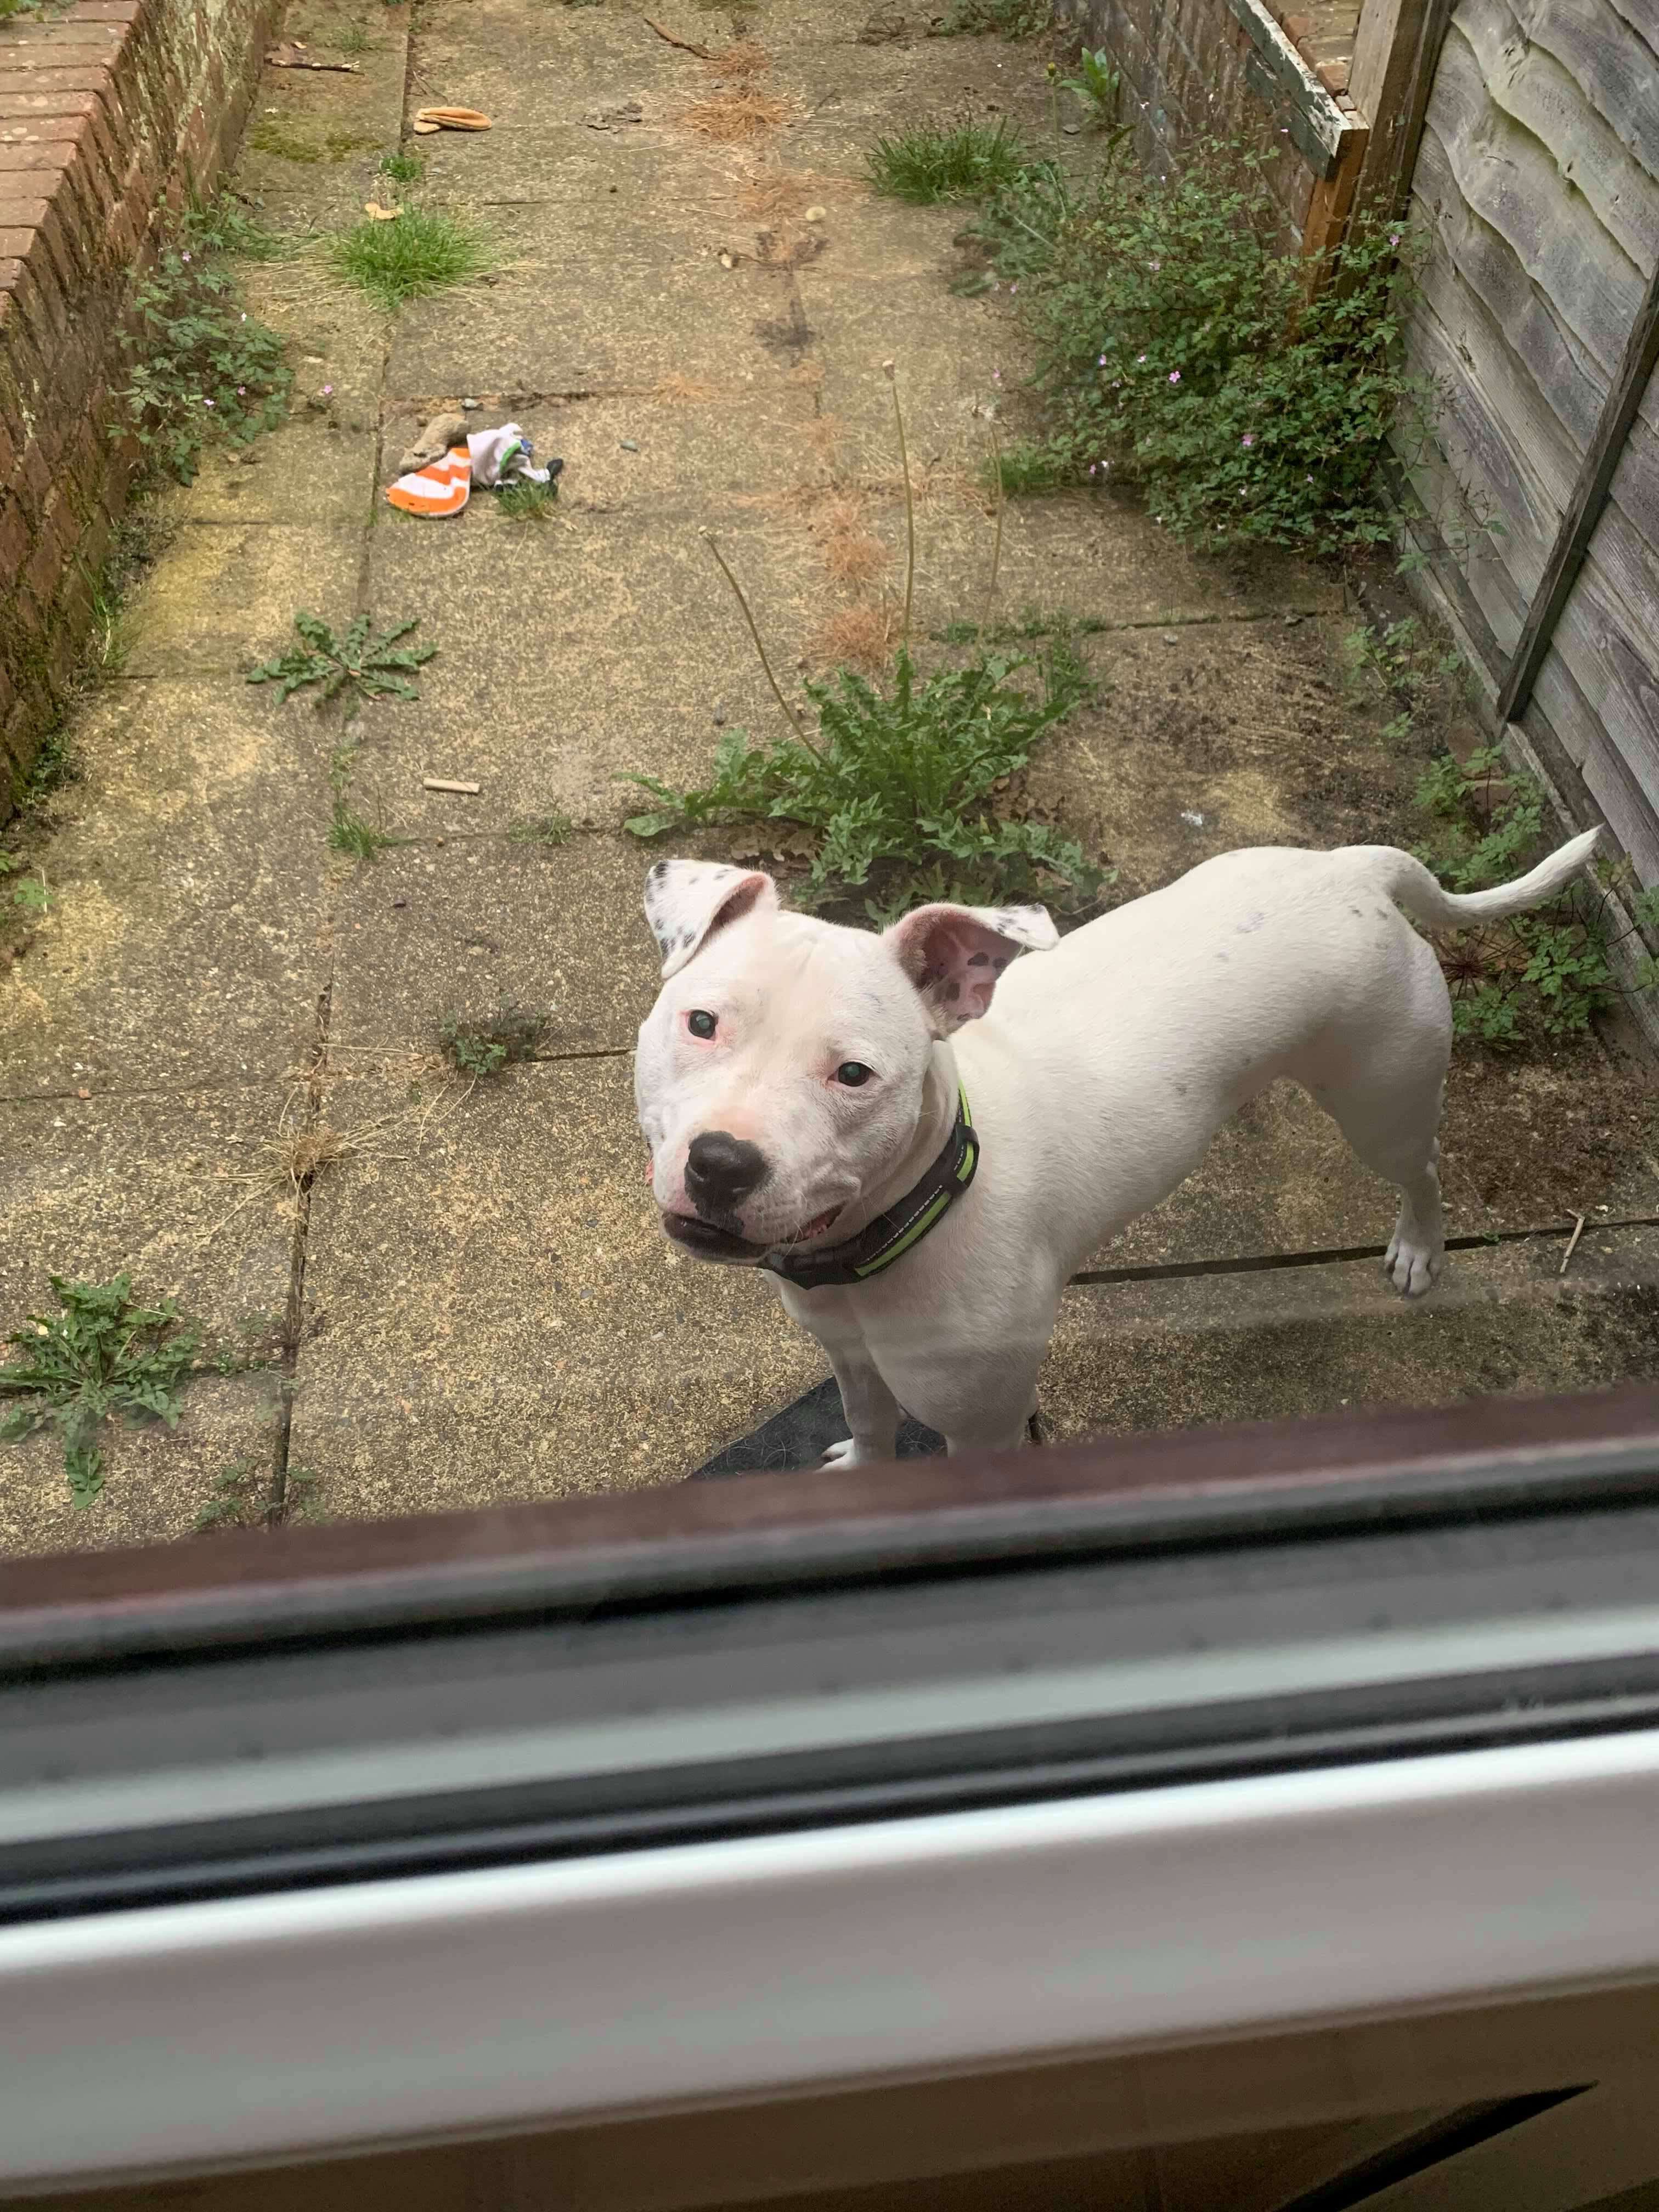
(549, 830)
(900, 794)
(100, 1355)
(933, 163)
(242, 1498)
(483, 1047)
(199, 367)
(361, 664)
(403, 169)
(420, 252)
(524, 502)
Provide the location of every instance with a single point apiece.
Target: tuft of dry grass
(684, 390)
(740, 115)
(854, 556)
(744, 59)
(859, 636)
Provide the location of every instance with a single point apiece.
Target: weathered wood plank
(1595, 637)
(1508, 179)
(1490, 456)
(1613, 56)
(1583, 515)
(1567, 717)
(1548, 447)
(1500, 605)
(1559, 365)
(1527, 83)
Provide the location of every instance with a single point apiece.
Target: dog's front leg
(871, 1410)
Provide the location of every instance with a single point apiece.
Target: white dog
(922, 1195)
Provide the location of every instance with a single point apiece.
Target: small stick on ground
(1572, 1242)
(910, 502)
(684, 45)
(789, 714)
(996, 546)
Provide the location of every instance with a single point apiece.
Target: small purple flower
(241, 390)
(1103, 361)
(1140, 357)
(185, 256)
(1175, 376)
(1154, 266)
(327, 389)
(1394, 238)
(1012, 289)
(207, 402)
(1247, 440)
(1091, 468)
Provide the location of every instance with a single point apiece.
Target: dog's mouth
(710, 1242)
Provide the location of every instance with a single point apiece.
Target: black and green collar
(897, 1232)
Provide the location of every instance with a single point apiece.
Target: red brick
(13, 540)
(30, 168)
(1334, 75)
(7, 456)
(16, 243)
(93, 77)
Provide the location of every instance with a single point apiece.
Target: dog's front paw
(845, 1454)
(1411, 1268)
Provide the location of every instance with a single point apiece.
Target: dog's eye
(852, 1072)
(700, 1023)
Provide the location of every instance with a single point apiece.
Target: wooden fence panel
(1537, 182)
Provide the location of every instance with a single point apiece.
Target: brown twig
(789, 714)
(684, 45)
(1572, 1243)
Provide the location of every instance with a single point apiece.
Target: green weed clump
(360, 663)
(200, 368)
(420, 251)
(900, 791)
(1538, 977)
(482, 1047)
(100, 1355)
(1177, 348)
(935, 163)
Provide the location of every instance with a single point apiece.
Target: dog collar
(897, 1232)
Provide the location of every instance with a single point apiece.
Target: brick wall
(1232, 69)
(109, 116)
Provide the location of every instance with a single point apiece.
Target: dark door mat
(799, 1437)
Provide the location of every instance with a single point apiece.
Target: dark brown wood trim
(1584, 511)
(703, 1536)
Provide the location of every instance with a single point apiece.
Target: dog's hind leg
(1386, 1103)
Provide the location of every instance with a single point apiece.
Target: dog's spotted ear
(954, 954)
(687, 900)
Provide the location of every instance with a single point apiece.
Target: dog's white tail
(1411, 886)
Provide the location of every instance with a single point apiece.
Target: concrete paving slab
(498, 1316)
(1298, 1341)
(225, 596)
(189, 884)
(157, 1480)
(601, 648)
(179, 1190)
(315, 138)
(476, 922)
(699, 452)
(598, 309)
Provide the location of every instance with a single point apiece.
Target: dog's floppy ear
(954, 954)
(687, 900)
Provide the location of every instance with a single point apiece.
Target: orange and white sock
(441, 488)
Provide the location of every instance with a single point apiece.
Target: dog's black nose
(720, 1171)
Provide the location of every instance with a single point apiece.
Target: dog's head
(780, 1073)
